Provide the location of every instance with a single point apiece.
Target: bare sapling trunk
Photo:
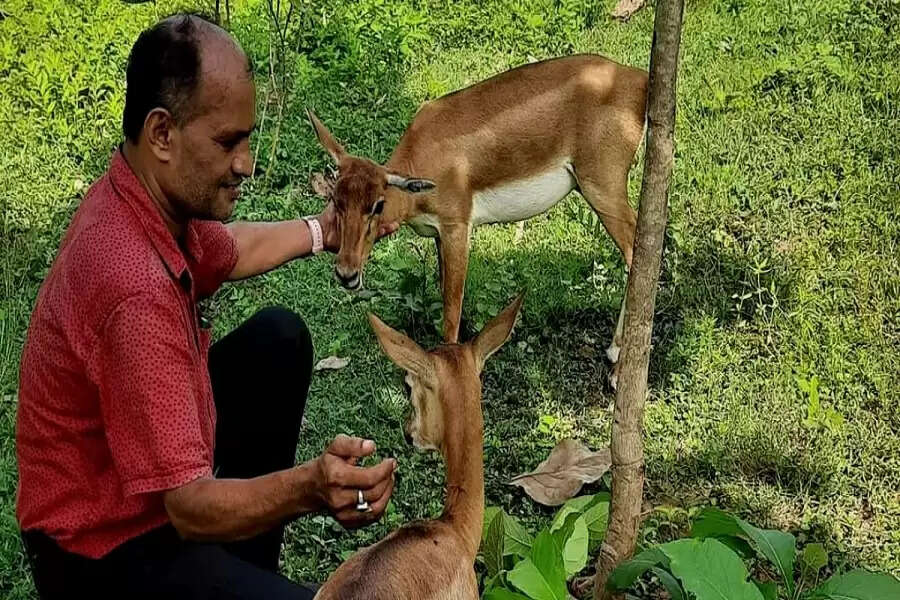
(627, 444)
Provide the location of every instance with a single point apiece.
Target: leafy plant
(710, 566)
(521, 567)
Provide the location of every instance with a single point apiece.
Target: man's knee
(286, 331)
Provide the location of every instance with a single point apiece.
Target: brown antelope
(433, 560)
(502, 150)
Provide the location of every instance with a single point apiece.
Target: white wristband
(315, 232)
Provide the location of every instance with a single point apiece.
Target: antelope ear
(325, 138)
(405, 353)
(410, 184)
(321, 184)
(496, 332)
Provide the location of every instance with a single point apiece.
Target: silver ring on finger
(361, 504)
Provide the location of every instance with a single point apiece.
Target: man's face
(211, 152)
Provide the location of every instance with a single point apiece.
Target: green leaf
(777, 546)
(712, 522)
(503, 594)
(769, 589)
(493, 546)
(628, 572)
(517, 540)
(541, 576)
(575, 550)
(814, 557)
(858, 585)
(594, 509)
(710, 570)
(670, 583)
(490, 512)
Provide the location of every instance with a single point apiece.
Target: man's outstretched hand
(331, 228)
(338, 480)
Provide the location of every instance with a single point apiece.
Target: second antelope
(433, 560)
(503, 150)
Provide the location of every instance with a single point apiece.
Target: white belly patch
(522, 199)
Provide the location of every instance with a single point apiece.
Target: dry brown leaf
(332, 362)
(569, 466)
(626, 8)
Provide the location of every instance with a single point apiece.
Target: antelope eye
(379, 206)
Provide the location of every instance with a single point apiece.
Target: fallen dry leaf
(626, 8)
(332, 362)
(569, 466)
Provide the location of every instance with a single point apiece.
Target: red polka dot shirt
(115, 402)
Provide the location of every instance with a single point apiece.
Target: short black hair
(163, 71)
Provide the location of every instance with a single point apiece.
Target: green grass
(782, 258)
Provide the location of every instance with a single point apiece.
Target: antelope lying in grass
(433, 560)
(503, 150)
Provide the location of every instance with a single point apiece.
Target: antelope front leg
(454, 256)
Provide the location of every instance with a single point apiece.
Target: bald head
(178, 65)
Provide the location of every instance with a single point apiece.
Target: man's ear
(158, 131)
(327, 140)
(321, 184)
(496, 332)
(405, 353)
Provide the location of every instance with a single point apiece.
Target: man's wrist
(316, 234)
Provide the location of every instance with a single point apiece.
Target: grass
(781, 262)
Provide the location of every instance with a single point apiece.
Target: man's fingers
(350, 447)
(380, 504)
(365, 478)
(375, 493)
(388, 229)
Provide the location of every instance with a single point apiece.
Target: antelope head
(358, 194)
(444, 384)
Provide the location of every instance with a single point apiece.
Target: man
(152, 466)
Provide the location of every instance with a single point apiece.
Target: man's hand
(331, 228)
(338, 481)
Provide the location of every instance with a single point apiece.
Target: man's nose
(243, 163)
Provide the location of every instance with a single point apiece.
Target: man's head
(189, 110)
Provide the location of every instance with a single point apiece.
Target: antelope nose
(407, 437)
(350, 281)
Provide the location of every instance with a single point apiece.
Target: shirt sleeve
(220, 255)
(143, 365)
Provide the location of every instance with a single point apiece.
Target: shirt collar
(132, 191)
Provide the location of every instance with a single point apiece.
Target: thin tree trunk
(627, 444)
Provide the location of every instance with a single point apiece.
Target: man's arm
(233, 509)
(263, 246)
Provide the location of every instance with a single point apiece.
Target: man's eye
(379, 206)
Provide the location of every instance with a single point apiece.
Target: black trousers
(260, 376)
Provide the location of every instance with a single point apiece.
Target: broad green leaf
(628, 572)
(858, 585)
(493, 546)
(516, 540)
(670, 583)
(490, 512)
(814, 557)
(542, 576)
(498, 593)
(769, 590)
(575, 550)
(777, 546)
(594, 509)
(712, 522)
(528, 578)
(710, 570)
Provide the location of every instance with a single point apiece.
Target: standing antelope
(503, 150)
(433, 560)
